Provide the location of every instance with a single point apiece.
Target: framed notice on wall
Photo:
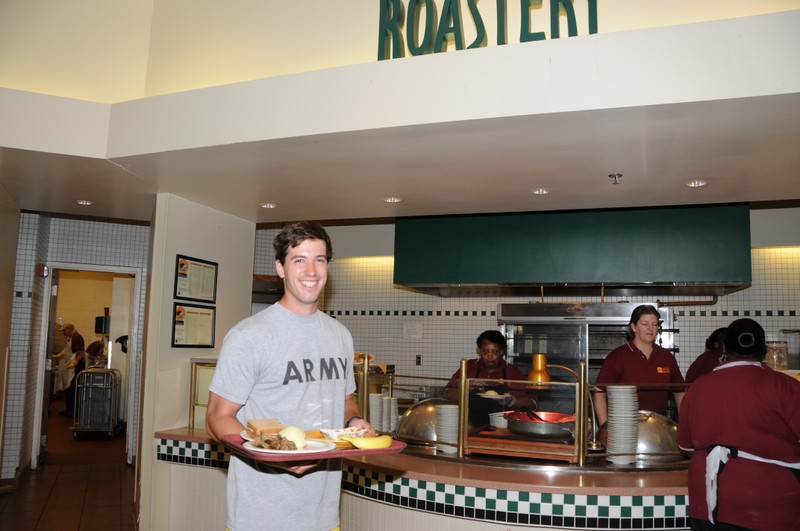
(193, 325)
(195, 279)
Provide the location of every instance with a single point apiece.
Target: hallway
(84, 484)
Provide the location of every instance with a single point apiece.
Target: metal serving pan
(548, 425)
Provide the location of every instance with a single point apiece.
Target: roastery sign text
(423, 27)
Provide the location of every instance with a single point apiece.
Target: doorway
(84, 296)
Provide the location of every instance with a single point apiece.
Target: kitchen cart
(97, 401)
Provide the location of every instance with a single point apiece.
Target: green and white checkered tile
(192, 453)
(569, 511)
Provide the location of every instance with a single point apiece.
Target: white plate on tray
(312, 447)
(499, 398)
(243, 435)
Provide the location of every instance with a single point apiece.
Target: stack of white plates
(623, 422)
(389, 413)
(447, 428)
(376, 411)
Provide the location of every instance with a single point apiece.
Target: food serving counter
(497, 479)
(420, 489)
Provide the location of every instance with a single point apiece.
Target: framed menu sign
(195, 279)
(193, 326)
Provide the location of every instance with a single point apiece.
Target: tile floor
(73, 497)
(83, 484)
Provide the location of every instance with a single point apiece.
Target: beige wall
(82, 296)
(778, 227)
(92, 50)
(183, 227)
(109, 52)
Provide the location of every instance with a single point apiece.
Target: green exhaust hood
(696, 250)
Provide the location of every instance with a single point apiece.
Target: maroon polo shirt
(476, 369)
(628, 365)
(704, 364)
(748, 406)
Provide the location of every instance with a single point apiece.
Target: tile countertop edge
(561, 479)
(186, 434)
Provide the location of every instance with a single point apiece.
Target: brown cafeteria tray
(235, 444)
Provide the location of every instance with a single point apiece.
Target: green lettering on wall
(449, 27)
(434, 32)
(391, 17)
(501, 22)
(525, 34)
(480, 29)
(556, 7)
(412, 24)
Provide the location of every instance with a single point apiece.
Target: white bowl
(335, 435)
(498, 420)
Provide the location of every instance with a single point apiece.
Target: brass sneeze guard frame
(581, 387)
(581, 411)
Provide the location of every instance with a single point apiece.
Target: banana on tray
(370, 443)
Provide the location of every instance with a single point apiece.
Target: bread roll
(256, 427)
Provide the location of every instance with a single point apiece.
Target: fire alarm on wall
(42, 270)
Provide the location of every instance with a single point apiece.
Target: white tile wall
(22, 365)
(43, 239)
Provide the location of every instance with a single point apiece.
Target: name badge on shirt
(662, 370)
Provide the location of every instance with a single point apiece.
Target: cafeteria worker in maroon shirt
(640, 362)
(491, 364)
(711, 358)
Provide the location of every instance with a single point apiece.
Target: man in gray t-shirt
(294, 363)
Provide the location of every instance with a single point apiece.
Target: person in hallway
(741, 425)
(74, 346)
(491, 364)
(640, 362)
(79, 363)
(294, 363)
(713, 356)
(95, 354)
(57, 354)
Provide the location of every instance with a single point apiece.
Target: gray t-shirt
(298, 369)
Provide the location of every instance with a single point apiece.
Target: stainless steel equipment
(657, 440)
(569, 334)
(418, 424)
(97, 401)
(541, 424)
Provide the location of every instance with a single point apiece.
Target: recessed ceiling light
(540, 191)
(696, 183)
(84, 202)
(391, 199)
(268, 205)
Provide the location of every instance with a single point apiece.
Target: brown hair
(637, 313)
(293, 235)
(643, 309)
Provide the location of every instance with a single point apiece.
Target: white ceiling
(748, 149)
